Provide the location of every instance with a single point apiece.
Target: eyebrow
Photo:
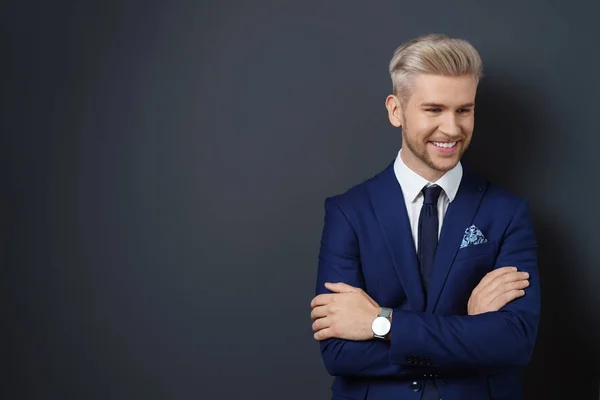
(436, 105)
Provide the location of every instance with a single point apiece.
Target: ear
(392, 103)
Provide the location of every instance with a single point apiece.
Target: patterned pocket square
(472, 237)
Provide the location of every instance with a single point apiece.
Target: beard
(422, 154)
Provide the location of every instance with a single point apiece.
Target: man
(427, 284)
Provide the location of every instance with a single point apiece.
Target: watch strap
(385, 312)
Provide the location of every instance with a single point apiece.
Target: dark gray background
(164, 166)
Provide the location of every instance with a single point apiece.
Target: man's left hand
(347, 313)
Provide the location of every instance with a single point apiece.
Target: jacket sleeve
(339, 261)
(494, 339)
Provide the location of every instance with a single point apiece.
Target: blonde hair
(432, 54)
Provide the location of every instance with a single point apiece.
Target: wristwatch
(382, 325)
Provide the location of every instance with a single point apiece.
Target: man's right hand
(498, 288)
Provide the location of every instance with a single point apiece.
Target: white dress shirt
(412, 184)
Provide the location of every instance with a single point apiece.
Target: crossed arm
(499, 330)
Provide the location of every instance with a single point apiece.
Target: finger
(321, 323)
(516, 285)
(502, 280)
(506, 298)
(341, 287)
(507, 287)
(319, 312)
(506, 279)
(324, 334)
(322, 300)
(490, 276)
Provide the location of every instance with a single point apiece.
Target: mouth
(445, 147)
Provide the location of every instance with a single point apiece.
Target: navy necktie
(428, 231)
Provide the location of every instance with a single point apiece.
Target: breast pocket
(477, 250)
(470, 266)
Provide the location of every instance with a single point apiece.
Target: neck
(419, 167)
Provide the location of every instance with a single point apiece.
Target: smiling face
(437, 122)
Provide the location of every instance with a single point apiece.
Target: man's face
(437, 122)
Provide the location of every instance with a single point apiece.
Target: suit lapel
(390, 210)
(459, 217)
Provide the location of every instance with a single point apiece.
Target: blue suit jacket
(367, 243)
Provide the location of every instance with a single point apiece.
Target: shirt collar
(412, 183)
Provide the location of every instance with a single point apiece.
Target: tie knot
(431, 193)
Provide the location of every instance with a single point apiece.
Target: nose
(450, 125)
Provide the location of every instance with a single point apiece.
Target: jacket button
(415, 386)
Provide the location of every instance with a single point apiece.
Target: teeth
(444, 144)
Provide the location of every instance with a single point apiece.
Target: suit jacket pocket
(487, 248)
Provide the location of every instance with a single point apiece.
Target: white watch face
(381, 326)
